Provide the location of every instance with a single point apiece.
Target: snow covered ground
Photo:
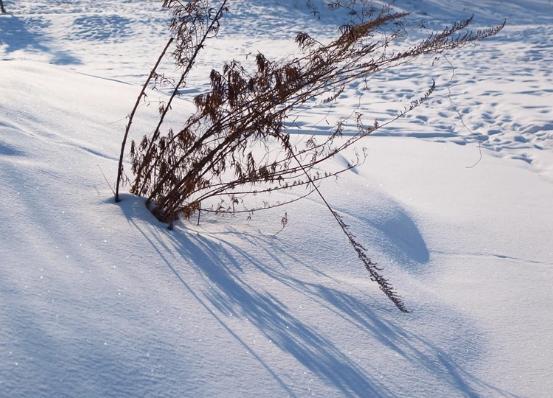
(100, 300)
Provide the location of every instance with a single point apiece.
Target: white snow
(98, 299)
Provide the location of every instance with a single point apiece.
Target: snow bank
(100, 299)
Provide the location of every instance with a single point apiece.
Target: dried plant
(192, 23)
(223, 150)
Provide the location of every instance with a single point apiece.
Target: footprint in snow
(102, 28)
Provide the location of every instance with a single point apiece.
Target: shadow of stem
(221, 265)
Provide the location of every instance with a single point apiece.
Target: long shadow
(58, 341)
(222, 264)
(411, 347)
(134, 209)
(15, 34)
(233, 295)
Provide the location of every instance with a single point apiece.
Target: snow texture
(100, 300)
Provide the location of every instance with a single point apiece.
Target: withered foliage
(225, 149)
(192, 24)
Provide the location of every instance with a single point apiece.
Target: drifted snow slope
(99, 299)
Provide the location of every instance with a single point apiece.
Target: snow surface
(100, 300)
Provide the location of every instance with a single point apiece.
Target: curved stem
(131, 117)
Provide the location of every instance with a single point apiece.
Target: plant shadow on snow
(228, 295)
(19, 34)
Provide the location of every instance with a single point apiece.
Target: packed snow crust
(100, 300)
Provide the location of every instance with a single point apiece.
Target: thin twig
(131, 117)
(459, 114)
(106, 179)
(370, 266)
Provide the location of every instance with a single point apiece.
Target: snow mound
(101, 300)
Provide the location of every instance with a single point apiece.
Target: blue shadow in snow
(15, 34)
(397, 234)
(9, 150)
(228, 294)
(404, 237)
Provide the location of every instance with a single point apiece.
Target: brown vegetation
(216, 153)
